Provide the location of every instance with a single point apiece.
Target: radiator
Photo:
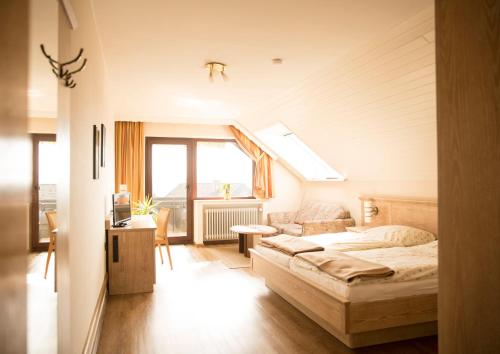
(218, 221)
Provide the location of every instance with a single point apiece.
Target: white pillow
(401, 235)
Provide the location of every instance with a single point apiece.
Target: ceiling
(155, 50)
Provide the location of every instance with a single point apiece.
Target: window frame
(34, 237)
(304, 148)
(195, 163)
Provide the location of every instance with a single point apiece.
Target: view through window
(219, 163)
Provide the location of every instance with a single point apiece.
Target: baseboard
(94, 333)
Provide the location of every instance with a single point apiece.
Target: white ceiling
(155, 50)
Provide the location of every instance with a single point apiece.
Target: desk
(131, 256)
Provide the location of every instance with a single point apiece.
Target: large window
(297, 154)
(219, 163)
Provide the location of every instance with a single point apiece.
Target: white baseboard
(94, 333)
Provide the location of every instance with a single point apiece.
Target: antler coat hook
(59, 68)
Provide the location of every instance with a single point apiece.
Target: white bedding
(324, 240)
(341, 241)
(415, 273)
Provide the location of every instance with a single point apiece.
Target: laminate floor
(42, 306)
(204, 307)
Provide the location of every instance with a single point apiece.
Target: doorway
(169, 170)
(44, 188)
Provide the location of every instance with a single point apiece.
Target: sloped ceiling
(357, 82)
(371, 113)
(155, 50)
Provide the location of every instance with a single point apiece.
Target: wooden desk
(131, 256)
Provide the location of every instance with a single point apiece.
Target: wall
(172, 130)
(82, 201)
(468, 117)
(42, 94)
(370, 114)
(347, 193)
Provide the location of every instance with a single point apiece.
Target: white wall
(173, 130)
(42, 94)
(371, 114)
(82, 201)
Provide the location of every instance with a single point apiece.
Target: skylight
(297, 154)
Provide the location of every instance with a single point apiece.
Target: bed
(366, 317)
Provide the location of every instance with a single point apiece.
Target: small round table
(246, 235)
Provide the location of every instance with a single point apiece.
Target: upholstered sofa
(312, 218)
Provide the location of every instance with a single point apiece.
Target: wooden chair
(52, 221)
(161, 237)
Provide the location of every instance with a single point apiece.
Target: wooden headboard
(422, 214)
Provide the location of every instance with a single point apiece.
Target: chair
(52, 221)
(161, 237)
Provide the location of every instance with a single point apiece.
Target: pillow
(402, 235)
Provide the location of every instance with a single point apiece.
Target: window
(297, 154)
(221, 162)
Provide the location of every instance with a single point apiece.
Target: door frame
(35, 244)
(150, 141)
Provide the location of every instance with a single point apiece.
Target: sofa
(312, 218)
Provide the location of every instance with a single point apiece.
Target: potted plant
(146, 207)
(226, 191)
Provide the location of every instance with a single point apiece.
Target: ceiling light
(214, 68)
(277, 60)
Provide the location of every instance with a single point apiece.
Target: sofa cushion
(292, 229)
(279, 226)
(317, 211)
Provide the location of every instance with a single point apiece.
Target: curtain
(263, 175)
(129, 158)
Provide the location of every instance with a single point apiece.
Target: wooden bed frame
(359, 324)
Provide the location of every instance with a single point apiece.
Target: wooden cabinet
(131, 258)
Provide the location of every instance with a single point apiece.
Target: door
(44, 188)
(169, 171)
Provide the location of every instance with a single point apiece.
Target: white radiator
(218, 221)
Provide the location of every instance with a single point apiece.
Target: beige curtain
(129, 158)
(263, 175)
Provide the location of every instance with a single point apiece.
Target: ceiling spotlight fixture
(277, 60)
(213, 68)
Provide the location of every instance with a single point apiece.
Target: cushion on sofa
(317, 211)
(292, 229)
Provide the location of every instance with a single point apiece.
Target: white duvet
(409, 263)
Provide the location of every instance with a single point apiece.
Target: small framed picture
(95, 152)
(103, 145)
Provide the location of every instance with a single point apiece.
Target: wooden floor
(204, 307)
(42, 306)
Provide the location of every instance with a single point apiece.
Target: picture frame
(103, 145)
(95, 152)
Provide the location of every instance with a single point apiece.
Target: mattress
(415, 274)
(273, 255)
